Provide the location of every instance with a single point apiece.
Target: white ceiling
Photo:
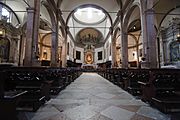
(110, 6)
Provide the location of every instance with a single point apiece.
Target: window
(110, 50)
(5, 15)
(78, 55)
(8, 15)
(68, 49)
(100, 55)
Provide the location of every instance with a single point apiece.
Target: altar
(89, 66)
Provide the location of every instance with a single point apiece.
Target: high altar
(89, 57)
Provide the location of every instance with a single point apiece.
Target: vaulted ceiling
(109, 8)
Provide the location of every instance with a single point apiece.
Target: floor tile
(140, 117)
(152, 113)
(132, 108)
(99, 117)
(106, 95)
(83, 112)
(116, 113)
(91, 97)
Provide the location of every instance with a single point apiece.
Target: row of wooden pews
(27, 88)
(159, 87)
(163, 89)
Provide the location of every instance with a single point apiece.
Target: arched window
(68, 48)
(8, 15)
(5, 15)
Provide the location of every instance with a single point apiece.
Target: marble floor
(91, 97)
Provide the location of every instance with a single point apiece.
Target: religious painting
(175, 51)
(4, 50)
(89, 58)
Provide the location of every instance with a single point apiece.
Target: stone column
(64, 52)
(36, 32)
(124, 49)
(137, 50)
(149, 34)
(151, 45)
(54, 45)
(29, 37)
(152, 40)
(22, 49)
(113, 51)
(53, 50)
(143, 28)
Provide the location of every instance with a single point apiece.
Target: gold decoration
(89, 58)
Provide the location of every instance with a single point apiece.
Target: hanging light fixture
(178, 38)
(2, 32)
(178, 33)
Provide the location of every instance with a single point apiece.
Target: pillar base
(36, 63)
(145, 64)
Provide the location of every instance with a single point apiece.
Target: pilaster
(113, 48)
(35, 33)
(124, 49)
(151, 40)
(29, 37)
(148, 35)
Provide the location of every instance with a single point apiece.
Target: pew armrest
(143, 83)
(13, 94)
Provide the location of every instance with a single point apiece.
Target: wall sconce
(2, 32)
(178, 37)
(178, 33)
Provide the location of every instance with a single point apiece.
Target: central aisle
(91, 97)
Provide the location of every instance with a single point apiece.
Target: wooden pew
(28, 79)
(9, 98)
(58, 76)
(121, 78)
(162, 89)
(130, 78)
(167, 90)
(148, 90)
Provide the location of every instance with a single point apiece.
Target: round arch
(128, 14)
(11, 11)
(88, 5)
(133, 61)
(116, 32)
(166, 16)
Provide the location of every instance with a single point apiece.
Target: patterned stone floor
(91, 97)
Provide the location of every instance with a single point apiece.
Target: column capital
(67, 29)
(149, 11)
(111, 30)
(59, 11)
(119, 13)
(30, 9)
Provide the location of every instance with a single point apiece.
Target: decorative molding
(10, 30)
